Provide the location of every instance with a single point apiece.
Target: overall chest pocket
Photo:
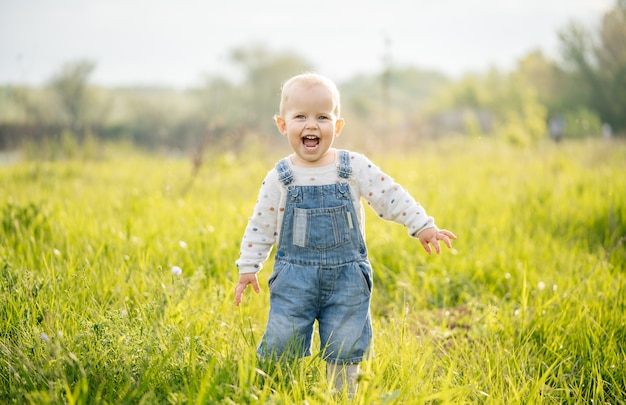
(322, 228)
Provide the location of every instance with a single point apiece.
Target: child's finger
(238, 293)
(447, 241)
(448, 234)
(446, 237)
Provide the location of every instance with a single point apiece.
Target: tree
(611, 59)
(599, 64)
(70, 85)
(547, 79)
(390, 103)
(265, 71)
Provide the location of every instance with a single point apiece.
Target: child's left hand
(432, 236)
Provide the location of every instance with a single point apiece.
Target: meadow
(528, 307)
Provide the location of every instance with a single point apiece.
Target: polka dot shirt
(387, 198)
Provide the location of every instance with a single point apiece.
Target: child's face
(310, 124)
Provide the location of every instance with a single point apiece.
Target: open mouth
(310, 141)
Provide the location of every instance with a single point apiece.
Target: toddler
(309, 206)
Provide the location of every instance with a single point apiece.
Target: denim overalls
(321, 272)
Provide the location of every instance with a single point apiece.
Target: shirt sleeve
(389, 199)
(262, 229)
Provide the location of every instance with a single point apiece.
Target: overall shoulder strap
(343, 166)
(284, 172)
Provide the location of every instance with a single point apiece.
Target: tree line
(584, 91)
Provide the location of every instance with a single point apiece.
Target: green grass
(529, 306)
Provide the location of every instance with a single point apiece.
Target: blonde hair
(308, 80)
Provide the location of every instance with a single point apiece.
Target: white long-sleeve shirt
(388, 199)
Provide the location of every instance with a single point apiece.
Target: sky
(180, 43)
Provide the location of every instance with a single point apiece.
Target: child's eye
(323, 117)
(300, 117)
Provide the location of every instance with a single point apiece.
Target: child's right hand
(245, 280)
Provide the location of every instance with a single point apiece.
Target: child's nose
(311, 124)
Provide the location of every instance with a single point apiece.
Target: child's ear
(280, 124)
(339, 126)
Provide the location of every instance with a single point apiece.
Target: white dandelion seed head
(177, 271)
(44, 337)
(541, 285)
(182, 244)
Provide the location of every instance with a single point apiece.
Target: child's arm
(259, 236)
(392, 202)
(262, 228)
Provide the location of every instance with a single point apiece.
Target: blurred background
(190, 75)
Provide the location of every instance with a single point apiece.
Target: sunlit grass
(528, 307)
